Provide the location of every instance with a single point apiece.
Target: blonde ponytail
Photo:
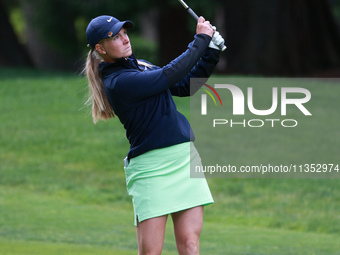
(101, 108)
(143, 63)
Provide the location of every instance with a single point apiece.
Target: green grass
(62, 185)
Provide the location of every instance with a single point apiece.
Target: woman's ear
(100, 49)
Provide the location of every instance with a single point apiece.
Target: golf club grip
(194, 15)
(222, 46)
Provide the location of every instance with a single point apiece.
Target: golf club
(194, 15)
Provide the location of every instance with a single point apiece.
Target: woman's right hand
(204, 27)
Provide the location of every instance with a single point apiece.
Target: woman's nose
(126, 39)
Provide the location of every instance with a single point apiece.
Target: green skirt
(159, 182)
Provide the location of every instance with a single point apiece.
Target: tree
(177, 28)
(12, 53)
(267, 37)
(280, 37)
(174, 34)
(54, 26)
(50, 34)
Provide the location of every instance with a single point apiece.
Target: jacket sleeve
(203, 69)
(134, 86)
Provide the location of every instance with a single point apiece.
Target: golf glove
(216, 40)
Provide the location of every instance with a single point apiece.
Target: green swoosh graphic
(208, 92)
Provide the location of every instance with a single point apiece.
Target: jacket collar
(120, 64)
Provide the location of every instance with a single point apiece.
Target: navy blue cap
(103, 27)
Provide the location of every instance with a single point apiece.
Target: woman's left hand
(204, 27)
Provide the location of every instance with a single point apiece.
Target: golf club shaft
(194, 15)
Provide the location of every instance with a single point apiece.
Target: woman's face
(116, 47)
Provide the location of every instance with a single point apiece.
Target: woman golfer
(157, 166)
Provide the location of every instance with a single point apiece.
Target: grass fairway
(62, 185)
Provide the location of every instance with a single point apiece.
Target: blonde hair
(101, 108)
(143, 63)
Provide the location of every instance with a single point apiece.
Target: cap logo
(109, 20)
(110, 34)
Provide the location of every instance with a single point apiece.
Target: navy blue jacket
(142, 97)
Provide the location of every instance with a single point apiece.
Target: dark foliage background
(264, 37)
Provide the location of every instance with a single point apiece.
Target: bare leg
(150, 235)
(188, 226)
